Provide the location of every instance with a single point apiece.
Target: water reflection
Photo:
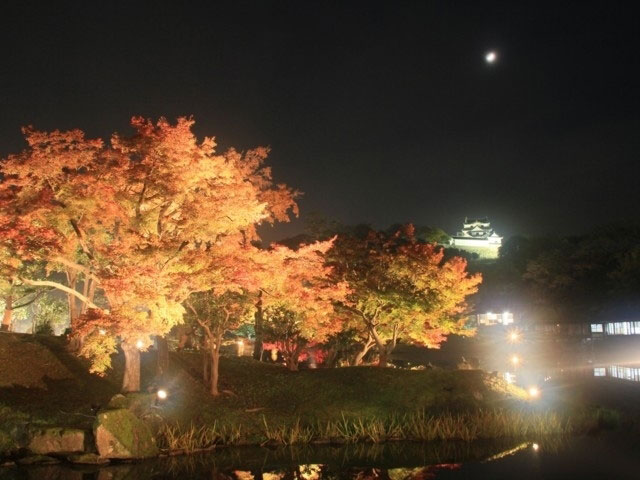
(544, 458)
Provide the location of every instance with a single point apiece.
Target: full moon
(491, 57)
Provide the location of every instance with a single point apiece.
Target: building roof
(470, 220)
(477, 229)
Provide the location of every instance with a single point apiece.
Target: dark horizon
(380, 113)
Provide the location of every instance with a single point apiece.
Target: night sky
(381, 112)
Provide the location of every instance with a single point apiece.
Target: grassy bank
(41, 384)
(415, 427)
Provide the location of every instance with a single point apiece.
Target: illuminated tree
(136, 219)
(218, 314)
(19, 244)
(297, 297)
(401, 288)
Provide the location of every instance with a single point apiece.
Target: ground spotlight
(162, 394)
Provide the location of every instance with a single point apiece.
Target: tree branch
(26, 304)
(83, 244)
(59, 286)
(75, 266)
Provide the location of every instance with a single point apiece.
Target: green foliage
(44, 328)
(50, 315)
(19, 317)
(432, 235)
(246, 330)
(282, 325)
(99, 347)
(226, 311)
(343, 346)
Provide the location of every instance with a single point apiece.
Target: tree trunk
(383, 359)
(360, 355)
(365, 349)
(131, 380)
(258, 327)
(8, 313)
(384, 348)
(162, 365)
(206, 365)
(385, 352)
(215, 362)
(292, 364)
(291, 352)
(75, 342)
(185, 338)
(72, 279)
(332, 358)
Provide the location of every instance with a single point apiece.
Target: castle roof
(477, 228)
(469, 220)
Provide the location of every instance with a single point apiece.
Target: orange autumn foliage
(139, 217)
(402, 289)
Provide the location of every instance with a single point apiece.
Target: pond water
(590, 457)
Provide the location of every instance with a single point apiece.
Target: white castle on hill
(477, 236)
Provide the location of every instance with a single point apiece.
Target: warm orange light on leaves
(139, 218)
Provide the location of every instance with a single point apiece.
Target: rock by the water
(120, 434)
(118, 401)
(57, 440)
(138, 403)
(88, 459)
(38, 460)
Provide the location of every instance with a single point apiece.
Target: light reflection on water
(598, 457)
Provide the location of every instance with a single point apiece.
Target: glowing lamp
(102, 331)
(515, 360)
(139, 344)
(534, 392)
(535, 447)
(491, 57)
(162, 394)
